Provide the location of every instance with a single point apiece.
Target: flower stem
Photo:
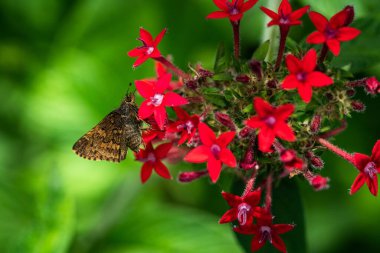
(268, 196)
(323, 54)
(236, 30)
(172, 67)
(340, 152)
(284, 31)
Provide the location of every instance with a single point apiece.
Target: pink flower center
(330, 33)
(232, 9)
(156, 100)
(265, 234)
(301, 76)
(149, 50)
(243, 211)
(370, 169)
(284, 19)
(215, 150)
(189, 126)
(270, 121)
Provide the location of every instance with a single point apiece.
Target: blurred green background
(63, 66)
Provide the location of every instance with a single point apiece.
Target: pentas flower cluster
(258, 121)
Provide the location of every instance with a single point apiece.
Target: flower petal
(144, 88)
(232, 200)
(266, 139)
(181, 113)
(375, 157)
(283, 228)
(290, 82)
(218, 14)
(319, 79)
(162, 83)
(253, 198)
(347, 33)
(221, 4)
(235, 18)
(270, 13)
(162, 150)
(293, 63)
(283, 131)
(278, 243)
(361, 160)
(256, 243)
(305, 92)
(225, 138)
(334, 46)
(206, 135)
(160, 116)
(173, 99)
(159, 37)
(262, 107)
(316, 37)
(146, 172)
(199, 154)
(146, 37)
(228, 158)
(145, 110)
(309, 61)
(283, 112)
(297, 14)
(285, 8)
(161, 170)
(228, 216)
(140, 60)
(372, 184)
(214, 168)
(358, 183)
(254, 122)
(248, 5)
(339, 19)
(319, 21)
(136, 52)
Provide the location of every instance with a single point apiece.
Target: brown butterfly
(110, 139)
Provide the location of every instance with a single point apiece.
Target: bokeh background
(63, 66)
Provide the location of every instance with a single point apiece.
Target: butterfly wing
(106, 141)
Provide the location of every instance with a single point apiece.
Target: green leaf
(262, 51)
(220, 58)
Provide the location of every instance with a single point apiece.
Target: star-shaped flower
(148, 49)
(152, 160)
(303, 75)
(369, 167)
(242, 208)
(331, 32)
(272, 122)
(186, 125)
(233, 10)
(157, 98)
(214, 150)
(285, 16)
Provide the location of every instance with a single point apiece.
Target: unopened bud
(246, 131)
(191, 84)
(249, 161)
(256, 68)
(358, 106)
(243, 79)
(315, 124)
(187, 177)
(372, 85)
(319, 182)
(351, 93)
(204, 72)
(350, 14)
(272, 84)
(317, 162)
(225, 120)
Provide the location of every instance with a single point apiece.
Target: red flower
(157, 99)
(233, 10)
(152, 160)
(214, 151)
(369, 167)
(154, 132)
(149, 48)
(264, 231)
(302, 75)
(242, 208)
(331, 32)
(290, 160)
(319, 182)
(272, 122)
(372, 85)
(285, 16)
(186, 125)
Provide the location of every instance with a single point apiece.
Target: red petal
(318, 79)
(309, 61)
(232, 200)
(144, 88)
(319, 21)
(225, 138)
(163, 83)
(162, 150)
(372, 185)
(256, 244)
(283, 112)
(136, 52)
(282, 228)
(290, 82)
(270, 13)
(248, 5)
(199, 154)
(181, 113)
(316, 37)
(159, 37)
(339, 19)
(285, 8)
(160, 69)
(228, 216)
(145, 110)
(160, 116)
(358, 183)
(146, 37)
(293, 63)
(221, 4)
(334, 46)
(266, 139)
(273, 22)
(375, 157)
(283, 131)
(297, 14)
(255, 122)
(218, 14)
(262, 107)
(235, 18)
(155, 54)
(305, 92)
(228, 158)
(278, 243)
(206, 134)
(184, 137)
(247, 230)
(140, 60)
(361, 160)
(214, 168)
(146, 172)
(161, 170)
(253, 198)
(347, 33)
(173, 99)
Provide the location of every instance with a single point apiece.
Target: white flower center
(151, 158)
(189, 126)
(265, 233)
(370, 169)
(149, 50)
(243, 210)
(156, 100)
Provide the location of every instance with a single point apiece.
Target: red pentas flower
(233, 10)
(152, 160)
(154, 132)
(214, 150)
(157, 98)
(272, 123)
(242, 208)
(148, 49)
(285, 15)
(186, 125)
(369, 167)
(265, 231)
(303, 75)
(332, 32)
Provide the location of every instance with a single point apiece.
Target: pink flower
(285, 16)
(233, 10)
(148, 49)
(290, 160)
(214, 150)
(319, 182)
(372, 85)
(186, 125)
(152, 161)
(368, 168)
(303, 75)
(242, 208)
(156, 99)
(272, 123)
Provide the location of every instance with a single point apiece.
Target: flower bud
(189, 176)
(350, 14)
(204, 72)
(315, 124)
(350, 93)
(256, 68)
(272, 84)
(290, 160)
(319, 182)
(246, 131)
(225, 120)
(243, 79)
(317, 162)
(249, 161)
(191, 84)
(358, 106)
(372, 85)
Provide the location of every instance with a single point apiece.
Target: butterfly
(110, 139)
